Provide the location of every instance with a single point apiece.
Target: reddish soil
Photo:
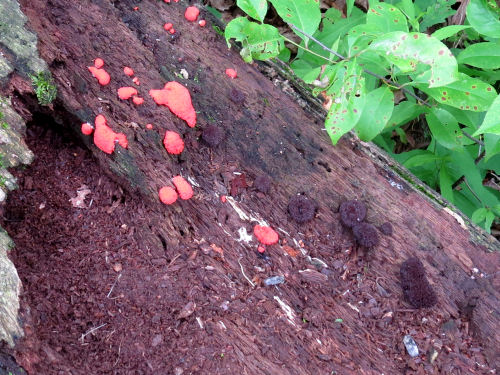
(99, 298)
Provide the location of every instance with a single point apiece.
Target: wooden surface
(269, 134)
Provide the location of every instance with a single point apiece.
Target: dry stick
(245, 276)
(392, 83)
(92, 330)
(113, 286)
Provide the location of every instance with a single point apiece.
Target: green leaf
(491, 145)
(407, 8)
(349, 5)
(259, 41)
(483, 19)
(463, 162)
(479, 215)
(376, 115)
(491, 123)
(444, 127)
(468, 118)
(483, 214)
(445, 184)
(348, 92)
(404, 112)
(386, 17)
(447, 31)
(423, 158)
(481, 55)
(468, 93)
(234, 30)
(304, 14)
(488, 220)
(407, 50)
(284, 55)
(214, 11)
(331, 16)
(256, 9)
(360, 36)
(305, 70)
(436, 13)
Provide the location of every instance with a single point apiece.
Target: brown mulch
(100, 298)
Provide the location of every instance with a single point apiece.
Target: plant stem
(387, 81)
(308, 50)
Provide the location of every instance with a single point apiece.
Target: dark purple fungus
(386, 228)
(366, 235)
(352, 212)
(262, 183)
(212, 135)
(237, 96)
(302, 208)
(417, 290)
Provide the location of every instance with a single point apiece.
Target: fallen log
(315, 320)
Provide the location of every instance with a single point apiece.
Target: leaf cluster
(398, 65)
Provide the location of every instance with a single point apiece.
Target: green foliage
(448, 81)
(3, 123)
(44, 86)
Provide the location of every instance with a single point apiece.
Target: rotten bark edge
(379, 157)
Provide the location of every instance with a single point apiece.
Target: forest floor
(96, 302)
(101, 296)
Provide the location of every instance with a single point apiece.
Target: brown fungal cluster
(212, 135)
(262, 183)
(302, 208)
(416, 288)
(352, 215)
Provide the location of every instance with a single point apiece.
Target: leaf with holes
(468, 93)
(491, 122)
(304, 14)
(348, 93)
(234, 30)
(483, 19)
(481, 55)
(376, 113)
(256, 9)
(386, 17)
(436, 13)
(409, 50)
(360, 36)
(259, 41)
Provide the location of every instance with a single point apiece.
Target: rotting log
(270, 134)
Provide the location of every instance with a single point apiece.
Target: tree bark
(277, 132)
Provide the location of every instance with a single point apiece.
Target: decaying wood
(269, 134)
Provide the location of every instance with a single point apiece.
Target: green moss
(44, 86)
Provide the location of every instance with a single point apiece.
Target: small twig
(461, 179)
(472, 191)
(382, 78)
(92, 330)
(245, 276)
(112, 286)
(478, 141)
(310, 51)
(173, 260)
